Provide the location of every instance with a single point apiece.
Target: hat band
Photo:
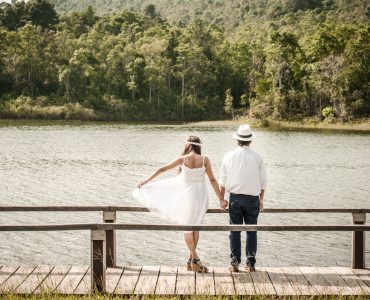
(244, 136)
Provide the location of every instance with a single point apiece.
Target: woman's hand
(141, 183)
(223, 204)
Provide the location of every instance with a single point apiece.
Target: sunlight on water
(101, 165)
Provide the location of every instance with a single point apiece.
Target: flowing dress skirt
(176, 200)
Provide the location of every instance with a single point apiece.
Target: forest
(173, 60)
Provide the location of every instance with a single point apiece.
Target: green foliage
(284, 59)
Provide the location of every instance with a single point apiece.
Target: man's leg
(236, 217)
(251, 212)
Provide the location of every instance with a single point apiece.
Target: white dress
(182, 199)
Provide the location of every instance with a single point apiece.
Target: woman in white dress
(184, 198)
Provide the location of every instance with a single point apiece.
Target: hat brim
(235, 136)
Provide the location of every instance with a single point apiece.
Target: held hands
(261, 204)
(223, 204)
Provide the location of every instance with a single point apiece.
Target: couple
(184, 198)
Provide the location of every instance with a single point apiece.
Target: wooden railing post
(110, 217)
(358, 242)
(98, 260)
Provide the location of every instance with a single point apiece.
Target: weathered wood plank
(185, 284)
(147, 281)
(84, 287)
(337, 283)
(359, 287)
(144, 209)
(113, 275)
(128, 280)
(15, 280)
(72, 279)
(224, 283)
(363, 274)
(318, 281)
(6, 272)
(205, 283)
(243, 283)
(53, 280)
(166, 284)
(34, 280)
(280, 282)
(299, 282)
(262, 282)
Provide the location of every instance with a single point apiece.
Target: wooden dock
(171, 281)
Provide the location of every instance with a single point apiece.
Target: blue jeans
(243, 208)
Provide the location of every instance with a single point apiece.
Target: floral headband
(193, 143)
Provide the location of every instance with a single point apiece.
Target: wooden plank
(205, 283)
(185, 284)
(6, 272)
(318, 281)
(34, 280)
(262, 282)
(359, 287)
(129, 278)
(224, 283)
(53, 280)
(147, 281)
(113, 275)
(299, 282)
(72, 279)
(363, 274)
(15, 280)
(243, 283)
(337, 283)
(166, 284)
(280, 282)
(84, 287)
(144, 209)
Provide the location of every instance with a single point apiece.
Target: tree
(229, 106)
(42, 13)
(150, 11)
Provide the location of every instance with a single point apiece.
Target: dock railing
(103, 238)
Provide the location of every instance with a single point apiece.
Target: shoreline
(360, 126)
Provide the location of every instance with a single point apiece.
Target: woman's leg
(190, 242)
(196, 238)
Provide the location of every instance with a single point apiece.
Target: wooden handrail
(169, 227)
(143, 209)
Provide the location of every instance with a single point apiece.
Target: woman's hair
(189, 147)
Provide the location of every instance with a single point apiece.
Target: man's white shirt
(243, 172)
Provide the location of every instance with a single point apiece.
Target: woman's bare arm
(173, 164)
(214, 182)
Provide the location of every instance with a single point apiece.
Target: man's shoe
(250, 267)
(234, 268)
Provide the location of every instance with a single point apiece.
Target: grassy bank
(307, 125)
(152, 297)
(362, 125)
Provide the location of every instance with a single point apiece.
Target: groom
(243, 175)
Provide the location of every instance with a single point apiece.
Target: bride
(184, 198)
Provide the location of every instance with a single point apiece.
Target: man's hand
(261, 204)
(223, 204)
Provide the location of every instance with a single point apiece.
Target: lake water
(101, 165)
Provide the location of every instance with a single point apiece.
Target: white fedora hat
(244, 133)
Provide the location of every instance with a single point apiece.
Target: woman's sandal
(188, 265)
(197, 266)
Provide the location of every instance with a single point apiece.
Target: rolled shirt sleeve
(223, 173)
(263, 176)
